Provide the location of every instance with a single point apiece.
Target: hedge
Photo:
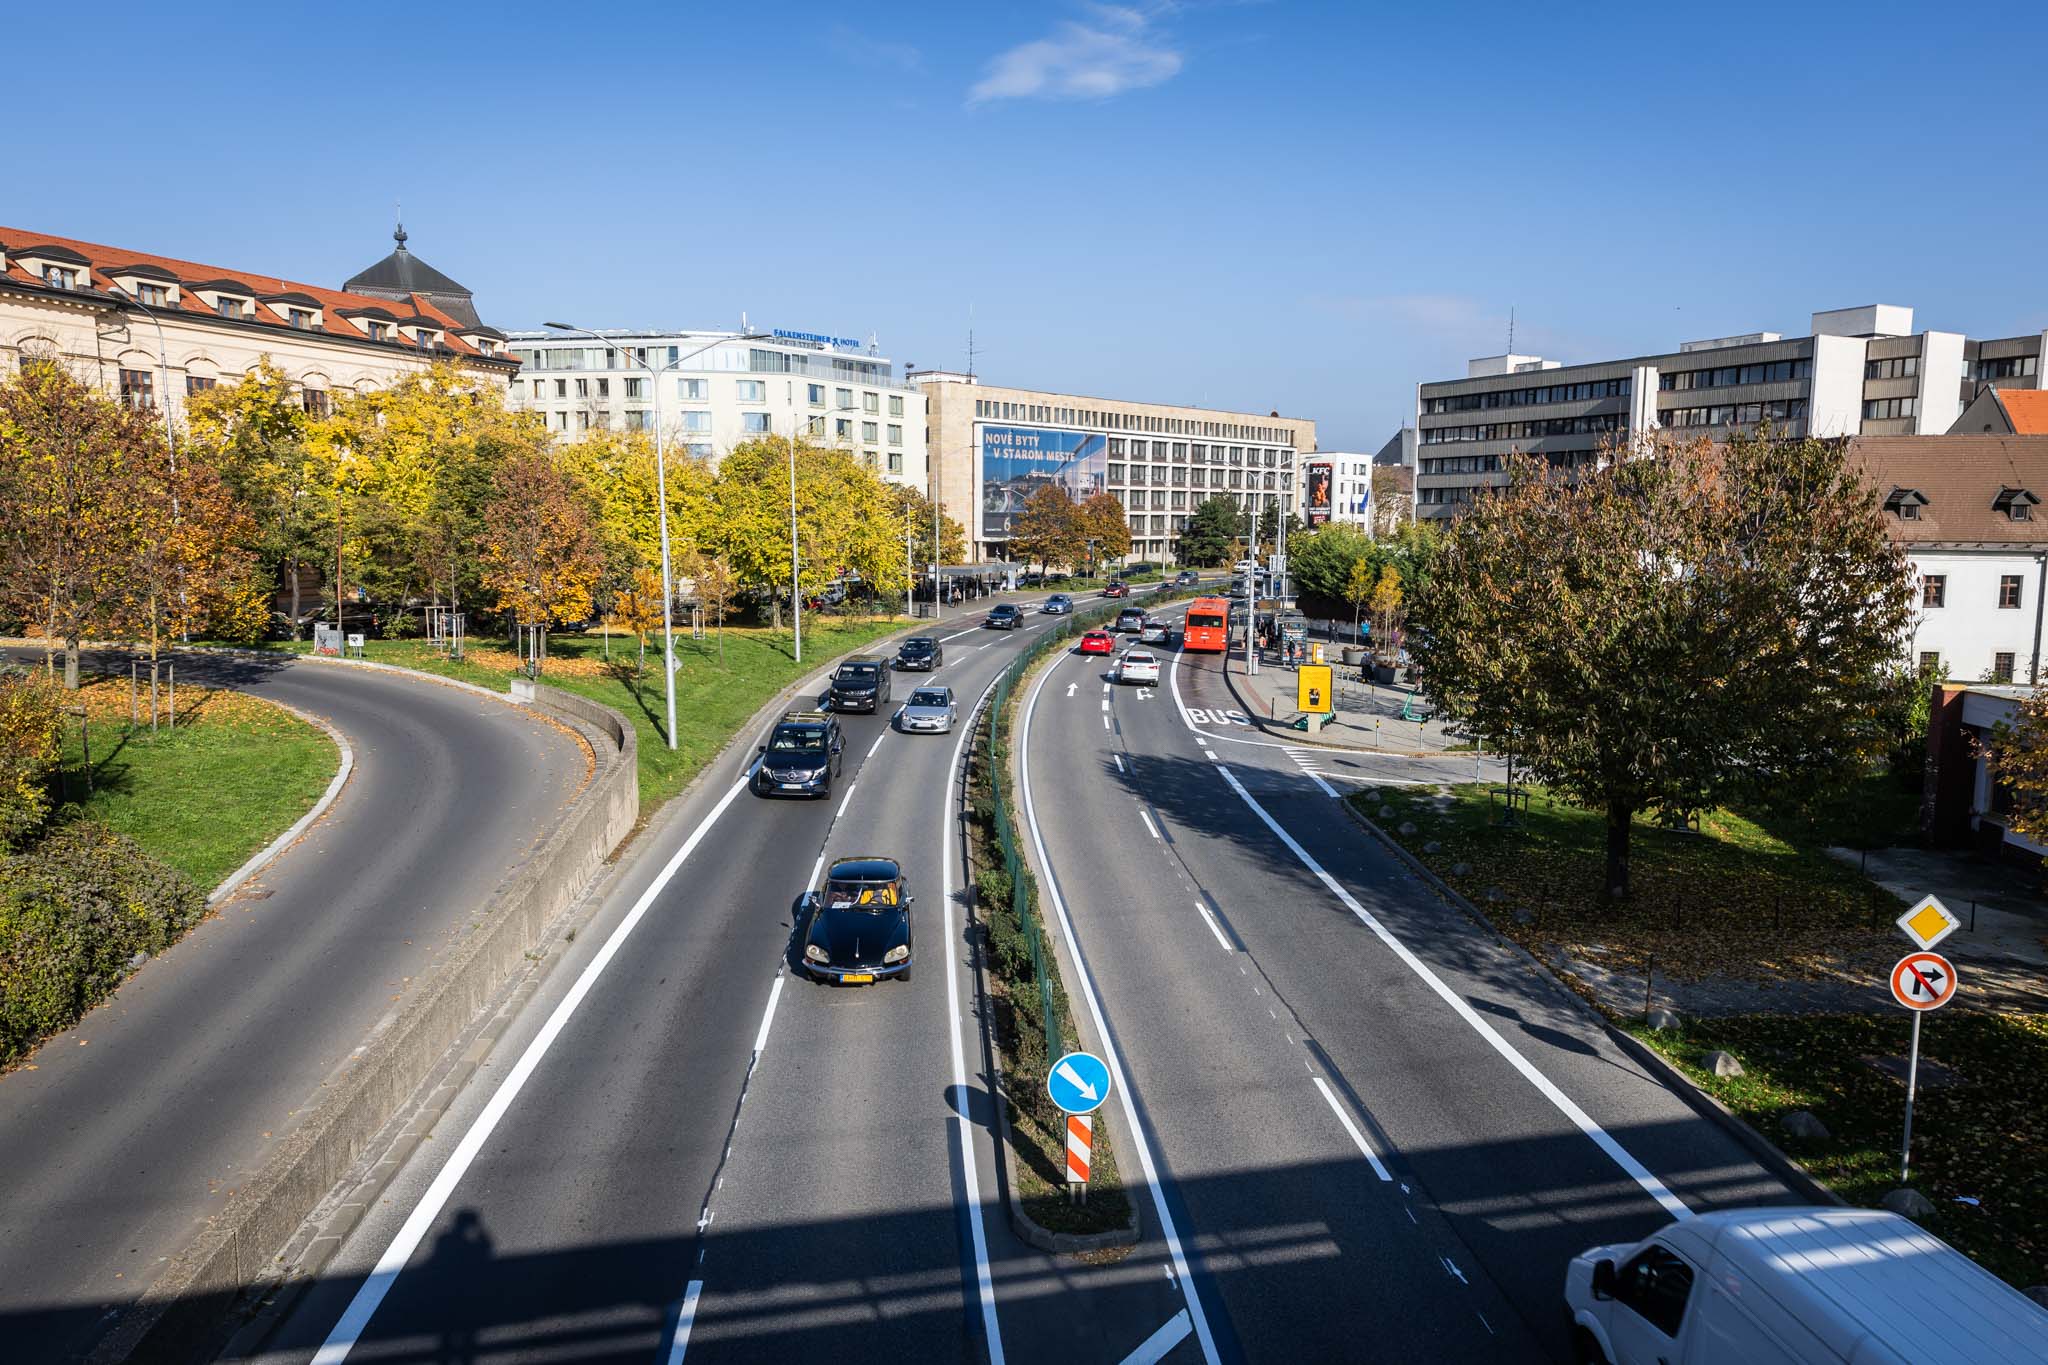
(74, 912)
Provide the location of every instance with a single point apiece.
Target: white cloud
(1093, 61)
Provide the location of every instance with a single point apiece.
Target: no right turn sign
(1923, 981)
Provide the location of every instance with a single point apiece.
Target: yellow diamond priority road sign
(1928, 922)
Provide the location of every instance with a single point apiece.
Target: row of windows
(1446, 496)
(1519, 431)
(657, 357)
(1934, 591)
(1776, 372)
(2010, 367)
(2002, 664)
(1899, 367)
(1522, 398)
(996, 409)
(1199, 453)
(1880, 408)
(1736, 414)
(843, 398)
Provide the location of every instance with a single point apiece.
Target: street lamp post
(668, 591)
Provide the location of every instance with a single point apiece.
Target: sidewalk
(1367, 718)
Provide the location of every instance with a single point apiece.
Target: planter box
(1353, 656)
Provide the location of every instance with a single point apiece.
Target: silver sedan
(929, 711)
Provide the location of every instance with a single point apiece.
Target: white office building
(711, 390)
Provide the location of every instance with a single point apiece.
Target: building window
(561, 388)
(540, 388)
(155, 295)
(57, 277)
(842, 398)
(228, 308)
(1899, 367)
(815, 394)
(2001, 668)
(583, 420)
(2009, 590)
(871, 402)
(635, 388)
(583, 388)
(381, 331)
(843, 428)
(315, 402)
(1930, 663)
(1881, 409)
(754, 423)
(697, 421)
(699, 450)
(136, 387)
(895, 434)
(895, 405)
(869, 432)
(2011, 367)
(693, 390)
(638, 419)
(895, 462)
(300, 319)
(1933, 590)
(604, 388)
(753, 391)
(197, 383)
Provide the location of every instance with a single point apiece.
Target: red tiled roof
(190, 272)
(2027, 409)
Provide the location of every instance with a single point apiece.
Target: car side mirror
(1604, 1280)
(910, 900)
(760, 748)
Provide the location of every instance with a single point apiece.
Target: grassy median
(205, 795)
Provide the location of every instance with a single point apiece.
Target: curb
(285, 840)
(1767, 1153)
(1269, 726)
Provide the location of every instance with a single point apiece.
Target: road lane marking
(971, 1173)
(349, 1329)
(1585, 1123)
(686, 1318)
(816, 868)
(1119, 762)
(1150, 828)
(1317, 778)
(1136, 1130)
(767, 1022)
(877, 744)
(1105, 703)
(1357, 1138)
(1214, 928)
(1170, 1334)
(845, 800)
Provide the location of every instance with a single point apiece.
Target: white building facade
(711, 390)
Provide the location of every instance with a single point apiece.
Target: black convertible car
(858, 927)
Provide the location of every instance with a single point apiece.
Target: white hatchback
(1137, 666)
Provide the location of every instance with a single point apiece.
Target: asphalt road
(683, 1145)
(1380, 1135)
(135, 1126)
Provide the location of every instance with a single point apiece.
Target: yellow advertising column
(1312, 690)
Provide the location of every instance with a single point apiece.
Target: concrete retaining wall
(184, 1309)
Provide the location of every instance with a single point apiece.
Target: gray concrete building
(1859, 371)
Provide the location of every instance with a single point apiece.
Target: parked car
(1117, 590)
(1130, 620)
(1059, 604)
(857, 929)
(801, 757)
(929, 710)
(1137, 666)
(920, 653)
(1098, 642)
(860, 685)
(1795, 1286)
(1003, 616)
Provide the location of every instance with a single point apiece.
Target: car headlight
(813, 953)
(897, 954)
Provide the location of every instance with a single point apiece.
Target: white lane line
(1105, 689)
(877, 744)
(1210, 920)
(1105, 722)
(686, 1318)
(1357, 1138)
(984, 1280)
(1150, 828)
(1122, 1084)
(969, 631)
(1119, 763)
(816, 868)
(1635, 1169)
(1170, 1334)
(1317, 778)
(847, 799)
(767, 1022)
(1105, 703)
(349, 1330)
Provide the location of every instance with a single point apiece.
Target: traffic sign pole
(1912, 1081)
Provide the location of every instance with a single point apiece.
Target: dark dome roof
(402, 274)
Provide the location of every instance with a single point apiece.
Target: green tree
(1269, 528)
(1322, 562)
(915, 509)
(1212, 529)
(1103, 521)
(1703, 625)
(1386, 612)
(1049, 529)
(1358, 588)
(31, 742)
(539, 552)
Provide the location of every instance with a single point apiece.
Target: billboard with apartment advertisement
(1320, 479)
(1017, 461)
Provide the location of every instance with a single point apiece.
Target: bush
(31, 741)
(73, 912)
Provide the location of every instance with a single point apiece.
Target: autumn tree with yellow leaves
(539, 552)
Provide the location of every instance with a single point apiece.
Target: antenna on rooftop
(1511, 329)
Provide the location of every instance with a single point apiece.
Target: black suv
(860, 685)
(801, 757)
(1003, 616)
(920, 653)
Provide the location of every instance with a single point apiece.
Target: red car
(1098, 642)
(1117, 590)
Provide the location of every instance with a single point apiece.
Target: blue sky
(1308, 207)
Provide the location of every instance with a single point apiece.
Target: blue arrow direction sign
(1078, 1082)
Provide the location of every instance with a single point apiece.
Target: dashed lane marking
(1357, 1138)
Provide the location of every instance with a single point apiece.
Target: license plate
(792, 786)
(852, 978)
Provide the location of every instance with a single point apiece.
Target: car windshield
(917, 646)
(798, 739)
(1135, 657)
(924, 698)
(872, 897)
(858, 673)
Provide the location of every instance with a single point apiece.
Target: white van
(1797, 1286)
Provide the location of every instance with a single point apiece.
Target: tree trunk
(71, 663)
(294, 571)
(1618, 818)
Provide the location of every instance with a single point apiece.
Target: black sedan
(801, 757)
(921, 654)
(858, 928)
(1003, 616)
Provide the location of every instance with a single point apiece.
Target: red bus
(1208, 625)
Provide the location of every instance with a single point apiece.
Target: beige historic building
(991, 447)
(154, 329)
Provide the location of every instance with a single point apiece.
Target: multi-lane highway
(131, 1129)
